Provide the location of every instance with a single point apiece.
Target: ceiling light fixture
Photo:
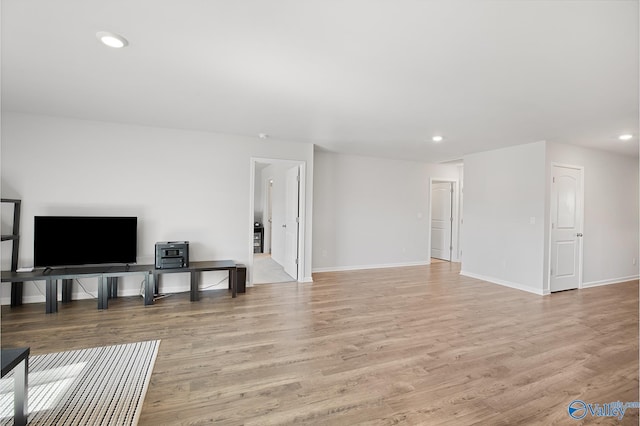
(112, 39)
(263, 136)
(437, 138)
(625, 137)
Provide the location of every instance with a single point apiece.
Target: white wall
(182, 185)
(504, 192)
(371, 212)
(504, 189)
(610, 242)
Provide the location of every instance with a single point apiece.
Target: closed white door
(441, 220)
(566, 228)
(290, 226)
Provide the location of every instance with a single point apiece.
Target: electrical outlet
(634, 261)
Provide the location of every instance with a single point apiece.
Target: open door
(292, 219)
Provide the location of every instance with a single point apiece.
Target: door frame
(547, 289)
(455, 213)
(301, 210)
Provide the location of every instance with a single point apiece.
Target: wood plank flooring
(416, 345)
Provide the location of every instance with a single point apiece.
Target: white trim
(302, 197)
(504, 283)
(307, 280)
(27, 299)
(610, 281)
(38, 298)
(380, 266)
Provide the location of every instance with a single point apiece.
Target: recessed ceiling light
(437, 138)
(625, 137)
(112, 39)
(263, 136)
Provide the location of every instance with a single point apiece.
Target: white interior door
(290, 226)
(566, 228)
(441, 220)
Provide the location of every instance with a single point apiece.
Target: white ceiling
(368, 77)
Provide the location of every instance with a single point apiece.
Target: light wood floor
(417, 345)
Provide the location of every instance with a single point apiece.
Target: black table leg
(103, 292)
(67, 285)
(51, 296)
(21, 398)
(17, 360)
(195, 296)
(16, 294)
(112, 286)
(232, 280)
(149, 288)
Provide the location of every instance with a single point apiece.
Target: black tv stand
(107, 280)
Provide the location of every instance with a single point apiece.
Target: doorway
(278, 208)
(567, 213)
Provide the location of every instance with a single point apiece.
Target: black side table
(12, 358)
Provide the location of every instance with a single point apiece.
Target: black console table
(194, 269)
(107, 276)
(108, 286)
(51, 277)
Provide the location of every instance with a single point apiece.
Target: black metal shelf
(16, 287)
(258, 239)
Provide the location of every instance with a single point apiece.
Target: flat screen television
(84, 240)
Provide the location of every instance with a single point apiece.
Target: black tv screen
(84, 240)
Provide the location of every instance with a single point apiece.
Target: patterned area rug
(97, 386)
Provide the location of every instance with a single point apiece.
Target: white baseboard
(25, 299)
(307, 280)
(122, 292)
(38, 298)
(359, 267)
(610, 281)
(504, 283)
